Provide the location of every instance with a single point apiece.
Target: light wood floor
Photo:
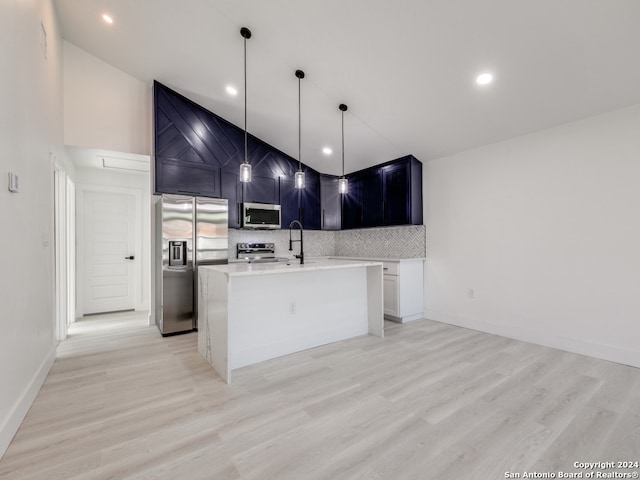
(430, 401)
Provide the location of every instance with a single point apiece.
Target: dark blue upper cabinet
(289, 201)
(173, 176)
(302, 204)
(352, 212)
(310, 215)
(330, 203)
(372, 198)
(362, 205)
(388, 194)
(231, 189)
(396, 180)
(262, 190)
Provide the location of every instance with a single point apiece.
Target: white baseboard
(602, 351)
(13, 421)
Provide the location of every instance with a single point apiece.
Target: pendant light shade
(245, 172)
(299, 176)
(245, 167)
(343, 183)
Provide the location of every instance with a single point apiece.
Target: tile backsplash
(387, 242)
(316, 243)
(408, 241)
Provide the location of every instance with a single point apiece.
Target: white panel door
(109, 241)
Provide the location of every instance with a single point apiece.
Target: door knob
(129, 258)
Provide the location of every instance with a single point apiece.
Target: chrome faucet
(301, 256)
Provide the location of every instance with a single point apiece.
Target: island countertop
(311, 265)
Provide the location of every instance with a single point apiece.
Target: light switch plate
(13, 182)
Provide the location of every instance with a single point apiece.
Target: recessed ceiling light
(327, 151)
(484, 78)
(233, 91)
(107, 18)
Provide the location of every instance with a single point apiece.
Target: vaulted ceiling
(406, 68)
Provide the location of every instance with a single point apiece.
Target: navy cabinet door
(397, 187)
(289, 202)
(330, 202)
(262, 190)
(187, 179)
(372, 199)
(310, 201)
(231, 189)
(352, 204)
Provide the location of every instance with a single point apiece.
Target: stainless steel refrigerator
(190, 232)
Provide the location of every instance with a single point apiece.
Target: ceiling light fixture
(343, 183)
(245, 167)
(484, 79)
(327, 151)
(107, 18)
(299, 176)
(233, 91)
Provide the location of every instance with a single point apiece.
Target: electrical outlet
(471, 293)
(292, 308)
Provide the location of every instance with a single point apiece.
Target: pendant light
(245, 167)
(299, 176)
(343, 183)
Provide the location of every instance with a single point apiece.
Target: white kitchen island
(248, 313)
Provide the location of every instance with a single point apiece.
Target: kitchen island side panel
(271, 316)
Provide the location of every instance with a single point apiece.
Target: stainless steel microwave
(260, 216)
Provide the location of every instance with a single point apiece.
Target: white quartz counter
(372, 259)
(311, 265)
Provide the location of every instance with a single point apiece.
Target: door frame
(71, 250)
(137, 193)
(61, 250)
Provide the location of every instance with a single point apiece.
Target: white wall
(545, 229)
(30, 136)
(86, 177)
(103, 106)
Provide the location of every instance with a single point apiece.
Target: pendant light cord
(299, 128)
(245, 99)
(343, 143)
